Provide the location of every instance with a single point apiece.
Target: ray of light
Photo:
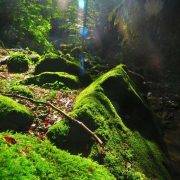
(81, 4)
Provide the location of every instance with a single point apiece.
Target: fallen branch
(2, 76)
(82, 125)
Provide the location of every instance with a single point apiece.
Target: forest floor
(164, 101)
(44, 116)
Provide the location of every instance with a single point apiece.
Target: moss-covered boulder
(112, 108)
(57, 63)
(54, 80)
(14, 116)
(26, 157)
(18, 63)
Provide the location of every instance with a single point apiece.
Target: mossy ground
(21, 90)
(13, 86)
(14, 116)
(55, 80)
(113, 108)
(25, 157)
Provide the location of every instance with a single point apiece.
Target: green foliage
(30, 158)
(39, 25)
(26, 23)
(14, 116)
(109, 107)
(54, 63)
(18, 63)
(54, 80)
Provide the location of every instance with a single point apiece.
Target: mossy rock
(113, 108)
(14, 116)
(57, 63)
(26, 157)
(18, 63)
(21, 90)
(54, 80)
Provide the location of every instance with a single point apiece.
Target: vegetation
(27, 157)
(14, 116)
(54, 80)
(21, 90)
(18, 63)
(62, 77)
(57, 63)
(129, 140)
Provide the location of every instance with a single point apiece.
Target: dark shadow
(134, 113)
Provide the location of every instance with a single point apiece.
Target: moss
(14, 116)
(54, 80)
(34, 58)
(25, 157)
(21, 90)
(112, 107)
(59, 131)
(18, 63)
(57, 63)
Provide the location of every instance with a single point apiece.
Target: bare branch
(82, 125)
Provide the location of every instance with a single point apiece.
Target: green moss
(59, 131)
(112, 107)
(34, 58)
(54, 80)
(18, 63)
(14, 116)
(57, 63)
(30, 158)
(21, 90)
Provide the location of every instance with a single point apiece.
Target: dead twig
(2, 76)
(82, 125)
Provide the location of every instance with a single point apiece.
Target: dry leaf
(10, 140)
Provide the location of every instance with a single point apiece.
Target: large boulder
(26, 157)
(57, 63)
(14, 116)
(18, 63)
(113, 108)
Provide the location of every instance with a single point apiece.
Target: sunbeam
(81, 4)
